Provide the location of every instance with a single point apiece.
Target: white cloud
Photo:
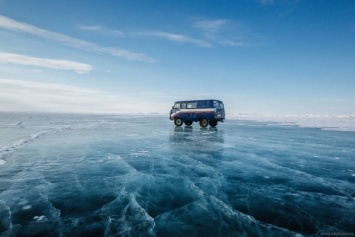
(90, 28)
(172, 37)
(11, 24)
(232, 43)
(102, 30)
(222, 32)
(46, 63)
(157, 34)
(20, 95)
(212, 26)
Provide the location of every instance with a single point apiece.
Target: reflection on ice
(141, 176)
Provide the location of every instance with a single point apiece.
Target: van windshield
(218, 105)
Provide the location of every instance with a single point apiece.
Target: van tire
(188, 123)
(213, 123)
(203, 122)
(178, 122)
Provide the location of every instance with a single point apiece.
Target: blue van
(203, 111)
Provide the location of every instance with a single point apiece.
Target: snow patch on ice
(2, 162)
(325, 122)
(39, 218)
(139, 153)
(27, 207)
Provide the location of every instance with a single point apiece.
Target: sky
(267, 57)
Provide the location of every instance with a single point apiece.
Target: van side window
(177, 106)
(202, 104)
(192, 105)
(183, 105)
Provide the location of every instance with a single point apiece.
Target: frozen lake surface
(93, 175)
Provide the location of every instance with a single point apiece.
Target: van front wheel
(178, 122)
(213, 123)
(203, 123)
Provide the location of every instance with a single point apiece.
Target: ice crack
(23, 141)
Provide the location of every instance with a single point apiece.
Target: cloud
(232, 43)
(225, 32)
(102, 30)
(172, 37)
(156, 34)
(211, 26)
(29, 96)
(20, 95)
(11, 24)
(46, 63)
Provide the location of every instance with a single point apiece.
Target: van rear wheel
(213, 123)
(203, 123)
(178, 122)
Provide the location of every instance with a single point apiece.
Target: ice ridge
(23, 141)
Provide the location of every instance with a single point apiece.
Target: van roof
(187, 101)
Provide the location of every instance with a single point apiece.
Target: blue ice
(136, 175)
